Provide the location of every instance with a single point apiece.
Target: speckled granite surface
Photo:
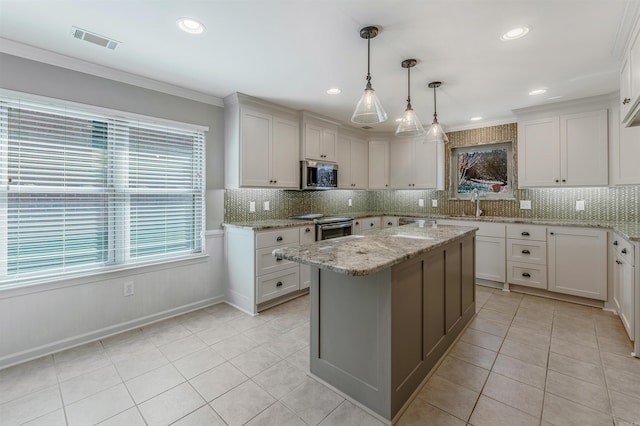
(629, 230)
(374, 251)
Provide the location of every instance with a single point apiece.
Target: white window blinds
(82, 190)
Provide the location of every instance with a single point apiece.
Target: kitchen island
(385, 307)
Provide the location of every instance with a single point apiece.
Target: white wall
(45, 318)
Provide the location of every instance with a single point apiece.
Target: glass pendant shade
(369, 109)
(436, 134)
(409, 124)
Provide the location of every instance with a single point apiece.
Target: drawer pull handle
(279, 239)
(526, 275)
(615, 243)
(525, 234)
(278, 259)
(389, 223)
(624, 251)
(526, 252)
(307, 230)
(279, 284)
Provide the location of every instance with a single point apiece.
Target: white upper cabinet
(630, 80)
(378, 164)
(412, 164)
(262, 144)
(624, 152)
(564, 150)
(319, 139)
(353, 163)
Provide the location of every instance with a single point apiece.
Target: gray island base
(378, 330)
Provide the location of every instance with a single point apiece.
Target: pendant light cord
(408, 87)
(435, 108)
(369, 63)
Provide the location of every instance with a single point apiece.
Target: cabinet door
(401, 164)
(344, 163)
(425, 164)
(577, 261)
(490, 258)
(312, 142)
(255, 149)
(625, 89)
(627, 296)
(329, 145)
(359, 159)
(634, 59)
(539, 152)
(285, 152)
(583, 141)
(378, 164)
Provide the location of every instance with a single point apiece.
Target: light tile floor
(523, 360)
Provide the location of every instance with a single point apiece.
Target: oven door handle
(336, 226)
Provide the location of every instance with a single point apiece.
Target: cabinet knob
(389, 223)
(275, 181)
(624, 251)
(279, 284)
(626, 101)
(307, 230)
(357, 223)
(371, 224)
(386, 184)
(525, 234)
(271, 181)
(557, 181)
(564, 180)
(526, 252)
(615, 243)
(526, 275)
(279, 239)
(552, 233)
(618, 262)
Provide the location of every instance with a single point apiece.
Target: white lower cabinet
(527, 255)
(623, 282)
(254, 276)
(577, 261)
(389, 221)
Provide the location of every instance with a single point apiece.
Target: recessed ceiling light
(190, 25)
(334, 91)
(516, 33)
(537, 92)
(478, 118)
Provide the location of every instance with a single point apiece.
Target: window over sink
(487, 168)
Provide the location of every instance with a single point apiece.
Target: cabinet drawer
(267, 263)
(307, 234)
(370, 223)
(527, 251)
(280, 237)
(527, 274)
(624, 248)
(271, 286)
(527, 232)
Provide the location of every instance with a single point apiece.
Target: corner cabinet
(412, 164)
(378, 164)
(353, 163)
(262, 144)
(577, 261)
(564, 150)
(319, 138)
(630, 80)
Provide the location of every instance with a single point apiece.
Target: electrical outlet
(434, 203)
(350, 202)
(252, 206)
(525, 204)
(580, 205)
(266, 205)
(420, 202)
(127, 288)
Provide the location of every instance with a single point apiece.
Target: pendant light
(409, 123)
(435, 132)
(369, 109)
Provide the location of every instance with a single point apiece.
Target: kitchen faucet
(475, 196)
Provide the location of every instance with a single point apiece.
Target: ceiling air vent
(94, 38)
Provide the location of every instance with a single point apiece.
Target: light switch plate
(579, 205)
(266, 205)
(420, 202)
(252, 206)
(525, 204)
(434, 203)
(350, 202)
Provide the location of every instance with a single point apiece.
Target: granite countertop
(629, 230)
(374, 251)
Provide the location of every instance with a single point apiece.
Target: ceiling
(291, 51)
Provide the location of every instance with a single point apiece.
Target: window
(487, 168)
(83, 190)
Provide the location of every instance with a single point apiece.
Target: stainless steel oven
(333, 227)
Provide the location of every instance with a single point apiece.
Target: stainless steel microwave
(318, 175)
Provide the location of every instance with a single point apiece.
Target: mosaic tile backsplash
(610, 204)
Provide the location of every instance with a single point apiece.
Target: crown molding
(630, 17)
(51, 58)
